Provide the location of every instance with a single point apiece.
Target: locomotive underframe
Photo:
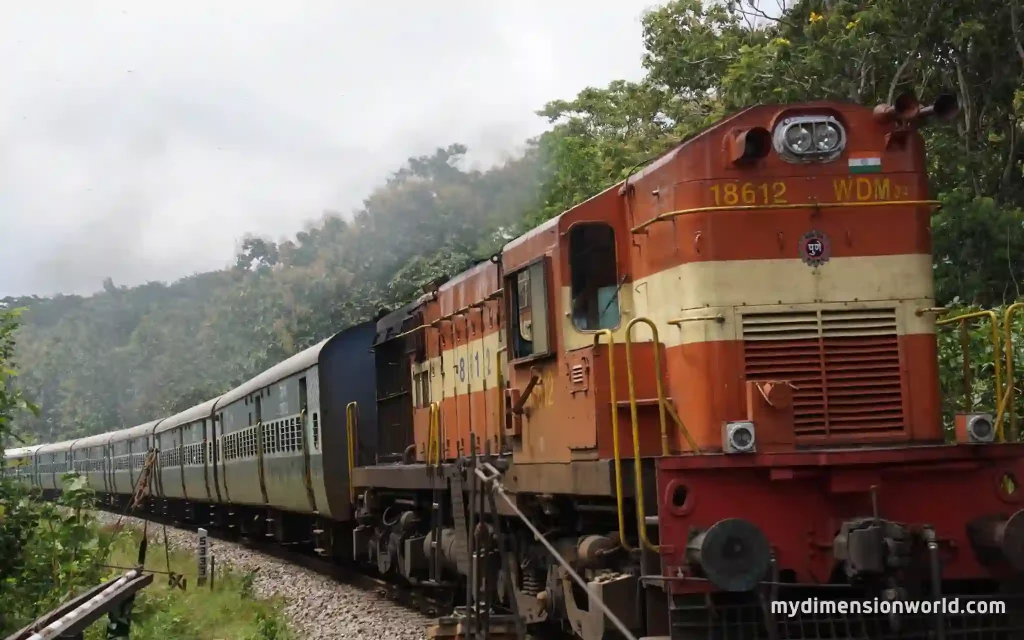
(392, 534)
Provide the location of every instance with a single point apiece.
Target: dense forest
(127, 355)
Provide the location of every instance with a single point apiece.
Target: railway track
(425, 610)
(407, 597)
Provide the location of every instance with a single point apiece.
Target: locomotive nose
(733, 554)
(998, 538)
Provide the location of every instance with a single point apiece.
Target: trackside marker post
(203, 552)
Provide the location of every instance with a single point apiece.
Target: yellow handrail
(501, 400)
(1000, 396)
(795, 205)
(434, 435)
(641, 520)
(1008, 350)
(615, 433)
(682, 427)
(351, 424)
(632, 390)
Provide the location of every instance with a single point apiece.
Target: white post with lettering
(203, 553)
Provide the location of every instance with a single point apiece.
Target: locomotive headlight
(739, 437)
(799, 139)
(974, 428)
(981, 428)
(809, 138)
(826, 137)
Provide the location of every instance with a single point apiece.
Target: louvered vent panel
(577, 374)
(845, 365)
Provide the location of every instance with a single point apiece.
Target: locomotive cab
(742, 329)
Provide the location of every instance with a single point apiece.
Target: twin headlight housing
(809, 139)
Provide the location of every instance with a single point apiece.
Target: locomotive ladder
(434, 470)
(664, 409)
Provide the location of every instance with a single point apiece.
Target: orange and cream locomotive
(712, 387)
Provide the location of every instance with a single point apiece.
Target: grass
(228, 612)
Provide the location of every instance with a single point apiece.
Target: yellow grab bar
(996, 356)
(1008, 396)
(641, 520)
(501, 400)
(615, 433)
(766, 207)
(434, 435)
(682, 427)
(632, 389)
(351, 424)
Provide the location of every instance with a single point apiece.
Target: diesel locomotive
(711, 387)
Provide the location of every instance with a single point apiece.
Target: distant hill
(130, 354)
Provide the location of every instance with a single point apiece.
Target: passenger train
(712, 387)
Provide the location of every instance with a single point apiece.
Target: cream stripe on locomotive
(468, 368)
(695, 294)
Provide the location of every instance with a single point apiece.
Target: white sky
(140, 140)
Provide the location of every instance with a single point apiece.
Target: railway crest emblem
(814, 248)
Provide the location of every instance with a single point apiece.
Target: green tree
(128, 355)
(704, 60)
(47, 550)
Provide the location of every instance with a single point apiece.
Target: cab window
(595, 283)
(529, 311)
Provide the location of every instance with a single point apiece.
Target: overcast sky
(141, 140)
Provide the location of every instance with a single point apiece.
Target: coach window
(595, 282)
(529, 321)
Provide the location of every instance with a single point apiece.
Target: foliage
(225, 612)
(979, 392)
(125, 356)
(47, 550)
(12, 400)
(704, 60)
(52, 551)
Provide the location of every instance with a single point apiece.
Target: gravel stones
(316, 606)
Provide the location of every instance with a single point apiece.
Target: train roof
(646, 169)
(392, 324)
(135, 432)
(298, 362)
(92, 441)
(198, 412)
(21, 451)
(56, 447)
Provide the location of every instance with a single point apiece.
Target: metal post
(965, 350)
(489, 477)
(484, 599)
(120, 616)
(507, 561)
(472, 588)
(202, 553)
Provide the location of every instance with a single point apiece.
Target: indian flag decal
(865, 163)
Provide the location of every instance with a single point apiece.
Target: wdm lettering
(864, 189)
(949, 606)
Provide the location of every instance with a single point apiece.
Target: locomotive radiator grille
(845, 365)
